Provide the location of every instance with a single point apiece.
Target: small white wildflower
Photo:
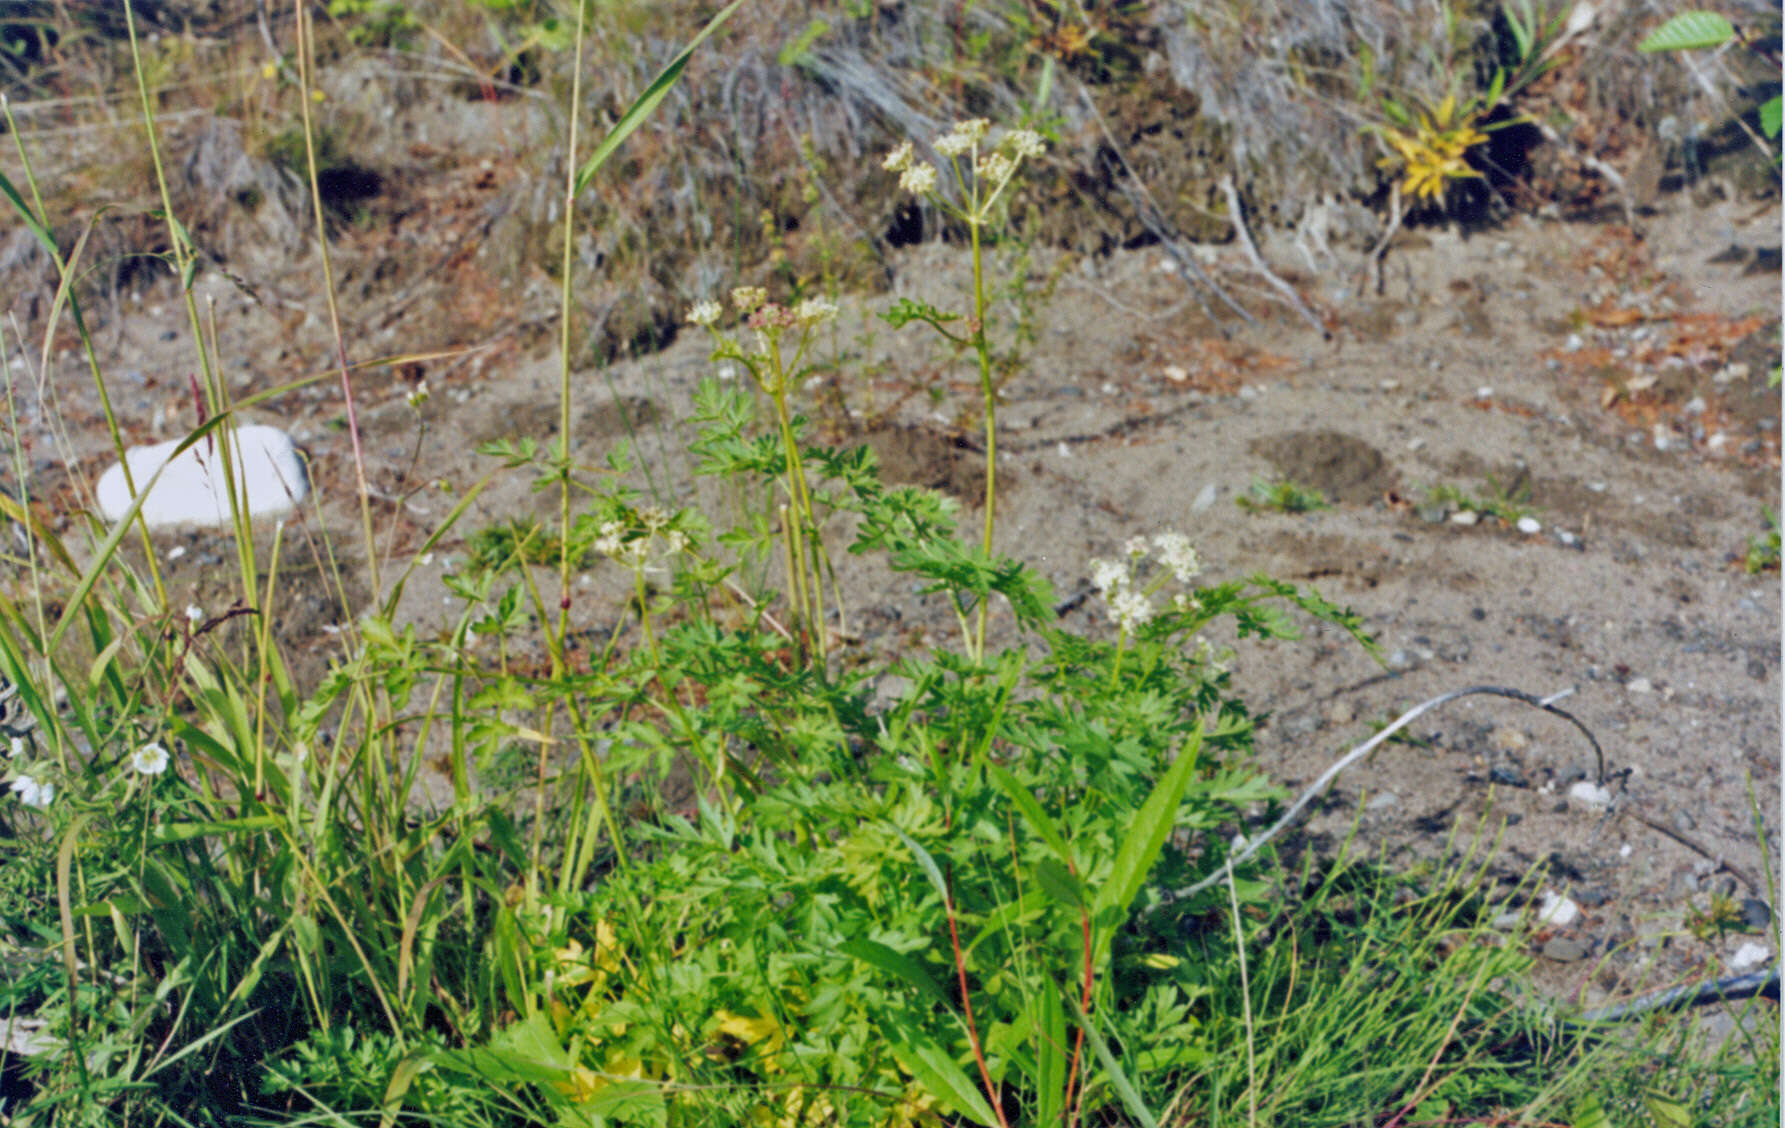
(995, 168)
(609, 543)
(16, 747)
(1108, 576)
(1135, 547)
(194, 612)
(814, 311)
(747, 298)
(150, 759)
(419, 395)
(32, 793)
(704, 313)
(918, 179)
(1176, 553)
(1130, 610)
(1023, 144)
(899, 159)
(675, 541)
(653, 517)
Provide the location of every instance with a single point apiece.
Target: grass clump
(1282, 495)
(1508, 505)
(1763, 550)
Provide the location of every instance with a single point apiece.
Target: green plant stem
(555, 639)
(305, 44)
(989, 396)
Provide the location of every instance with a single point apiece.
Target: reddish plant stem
(960, 968)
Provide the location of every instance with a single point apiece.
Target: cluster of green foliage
(1283, 496)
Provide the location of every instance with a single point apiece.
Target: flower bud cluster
(994, 164)
(1120, 582)
(630, 542)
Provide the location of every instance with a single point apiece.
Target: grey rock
(1756, 913)
(1566, 949)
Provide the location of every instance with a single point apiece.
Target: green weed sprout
(1763, 550)
(1283, 496)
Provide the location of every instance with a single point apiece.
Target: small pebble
(1465, 517)
(1204, 498)
(1694, 406)
(1529, 526)
(1640, 685)
(1505, 738)
(1749, 955)
(1557, 910)
(1507, 777)
(1484, 392)
(1590, 796)
(1756, 913)
(1565, 949)
(1386, 801)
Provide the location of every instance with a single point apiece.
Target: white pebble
(1465, 517)
(1590, 795)
(1557, 910)
(1640, 685)
(1530, 526)
(1749, 955)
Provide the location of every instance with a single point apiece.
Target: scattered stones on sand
(192, 488)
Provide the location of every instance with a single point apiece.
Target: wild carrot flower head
(918, 179)
(704, 313)
(814, 311)
(962, 137)
(1176, 554)
(747, 298)
(1130, 609)
(1022, 144)
(899, 159)
(995, 168)
(1109, 576)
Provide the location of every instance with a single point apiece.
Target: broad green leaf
(1118, 1079)
(1031, 809)
(1689, 31)
(927, 863)
(894, 963)
(164, 833)
(941, 1075)
(1059, 882)
(646, 103)
(1148, 830)
(1665, 1112)
(1769, 116)
(1049, 1033)
(1589, 1113)
(629, 1102)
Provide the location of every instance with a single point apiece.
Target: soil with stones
(1612, 387)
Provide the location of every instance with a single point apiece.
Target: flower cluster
(764, 316)
(630, 542)
(993, 164)
(1119, 581)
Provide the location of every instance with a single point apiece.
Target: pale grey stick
(1318, 786)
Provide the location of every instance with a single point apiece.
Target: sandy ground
(1617, 383)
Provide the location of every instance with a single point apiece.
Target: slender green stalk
(305, 62)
